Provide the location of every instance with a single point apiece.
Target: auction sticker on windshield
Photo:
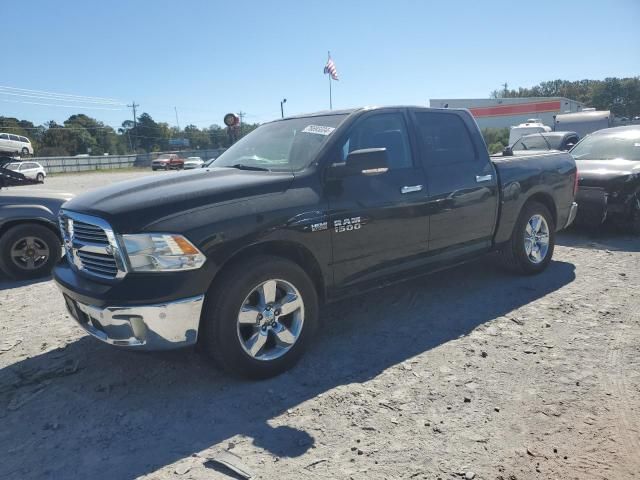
(318, 129)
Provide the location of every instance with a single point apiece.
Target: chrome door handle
(412, 188)
(484, 178)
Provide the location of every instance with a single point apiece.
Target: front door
(377, 222)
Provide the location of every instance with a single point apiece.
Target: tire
(31, 239)
(40, 178)
(516, 254)
(25, 152)
(634, 219)
(238, 290)
(166, 167)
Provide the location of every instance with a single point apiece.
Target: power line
(61, 95)
(54, 99)
(59, 105)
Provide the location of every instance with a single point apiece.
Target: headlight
(161, 252)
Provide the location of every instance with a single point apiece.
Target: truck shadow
(606, 237)
(7, 283)
(122, 414)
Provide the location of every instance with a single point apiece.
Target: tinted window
(555, 142)
(533, 142)
(444, 138)
(386, 130)
(24, 139)
(30, 165)
(14, 137)
(4, 136)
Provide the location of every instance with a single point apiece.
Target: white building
(506, 112)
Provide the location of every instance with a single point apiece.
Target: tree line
(80, 134)
(620, 95)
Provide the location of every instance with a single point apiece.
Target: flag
(331, 69)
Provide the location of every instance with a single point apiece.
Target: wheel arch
(547, 200)
(9, 224)
(292, 251)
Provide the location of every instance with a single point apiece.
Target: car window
(14, 138)
(444, 138)
(386, 130)
(555, 142)
(532, 142)
(4, 136)
(24, 139)
(13, 166)
(30, 165)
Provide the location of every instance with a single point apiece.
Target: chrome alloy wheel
(536, 239)
(270, 320)
(29, 253)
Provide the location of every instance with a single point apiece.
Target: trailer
(587, 121)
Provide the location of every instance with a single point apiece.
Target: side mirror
(367, 161)
(507, 152)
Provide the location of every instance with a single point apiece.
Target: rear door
(5, 143)
(378, 222)
(462, 184)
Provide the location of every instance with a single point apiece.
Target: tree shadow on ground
(124, 414)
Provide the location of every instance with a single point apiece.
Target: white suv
(32, 170)
(15, 144)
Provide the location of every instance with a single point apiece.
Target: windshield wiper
(241, 166)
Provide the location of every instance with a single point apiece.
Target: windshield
(13, 166)
(622, 144)
(285, 145)
(532, 142)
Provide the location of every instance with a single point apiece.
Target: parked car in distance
(609, 177)
(15, 144)
(193, 162)
(542, 142)
(32, 170)
(585, 122)
(168, 161)
(30, 241)
(306, 209)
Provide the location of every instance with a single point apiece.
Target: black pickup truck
(238, 256)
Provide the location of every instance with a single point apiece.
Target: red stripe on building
(516, 109)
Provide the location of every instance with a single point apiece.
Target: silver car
(32, 170)
(193, 162)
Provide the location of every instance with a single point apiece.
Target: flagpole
(330, 99)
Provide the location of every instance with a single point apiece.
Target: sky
(206, 58)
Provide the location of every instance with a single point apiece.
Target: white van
(533, 125)
(15, 144)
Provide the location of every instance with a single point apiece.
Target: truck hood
(131, 205)
(600, 173)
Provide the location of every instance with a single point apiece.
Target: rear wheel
(29, 251)
(532, 242)
(260, 317)
(40, 178)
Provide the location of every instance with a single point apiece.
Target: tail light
(575, 184)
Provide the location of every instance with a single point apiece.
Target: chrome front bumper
(146, 327)
(572, 214)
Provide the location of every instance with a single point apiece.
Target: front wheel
(532, 242)
(25, 152)
(29, 251)
(259, 317)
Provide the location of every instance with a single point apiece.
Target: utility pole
(133, 106)
(284, 100)
(241, 115)
(177, 122)
(506, 88)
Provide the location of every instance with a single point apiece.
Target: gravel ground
(472, 373)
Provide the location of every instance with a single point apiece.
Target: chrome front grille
(91, 245)
(87, 233)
